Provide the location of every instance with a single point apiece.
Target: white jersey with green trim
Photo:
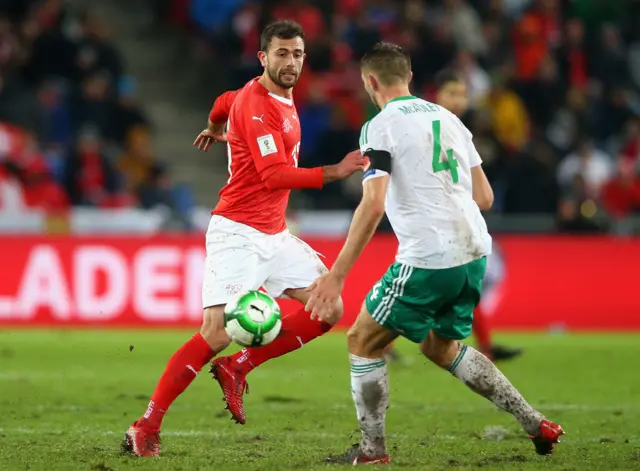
(429, 200)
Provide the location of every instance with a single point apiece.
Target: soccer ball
(252, 319)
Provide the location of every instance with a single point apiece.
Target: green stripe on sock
(375, 363)
(368, 367)
(458, 359)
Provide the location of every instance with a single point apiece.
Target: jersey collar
(281, 99)
(400, 98)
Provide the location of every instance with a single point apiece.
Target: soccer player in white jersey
(452, 95)
(426, 174)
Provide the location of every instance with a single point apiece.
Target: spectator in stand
(614, 111)
(621, 195)
(95, 52)
(531, 173)
(89, 177)
(508, 114)
(569, 122)
(536, 34)
(477, 80)
(590, 163)
(466, 26)
(19, 105)
(577, 209)
(128, 113)
(314, 118)
(28, 183)
(209, 17)
(61, 82)
(303, 12)
(610, 63)
(631, 142)
(362, 32)
(138, 161)
(544, 94)
(51, 52)
(11, 191)
(92, 105)
(572, 56)
(334, 142)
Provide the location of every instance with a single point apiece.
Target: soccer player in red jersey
(248, 244)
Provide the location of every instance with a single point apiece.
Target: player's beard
(274, 75)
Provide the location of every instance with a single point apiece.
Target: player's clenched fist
(353, 162)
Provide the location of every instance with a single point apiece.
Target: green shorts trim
(411, 301)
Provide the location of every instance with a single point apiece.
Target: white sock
(481, 376)
(370, 391)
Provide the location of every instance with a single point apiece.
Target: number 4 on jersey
(451, 163)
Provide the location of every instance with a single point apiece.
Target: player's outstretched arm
(215, 131)
(366, 218)
(326, 289)
(263, 129)
(281, 176)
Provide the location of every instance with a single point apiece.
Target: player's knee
(355, 340)
(361, 344)
(439, 351)
(212, 329)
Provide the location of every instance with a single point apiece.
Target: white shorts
(242, 258)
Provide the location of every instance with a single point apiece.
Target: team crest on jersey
(286, 126)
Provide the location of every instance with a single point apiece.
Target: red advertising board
(578, 283)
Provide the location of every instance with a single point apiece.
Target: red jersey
(263, 130)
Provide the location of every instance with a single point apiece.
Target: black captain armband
(379, 159)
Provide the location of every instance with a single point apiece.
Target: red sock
(482, 329)
(297, 330)
(181, 370)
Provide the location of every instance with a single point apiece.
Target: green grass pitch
(66, 398)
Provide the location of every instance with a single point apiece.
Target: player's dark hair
(446, 76)
(283, 29)
(389, 62)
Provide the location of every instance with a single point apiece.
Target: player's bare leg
(481, 376)
(367, 341)
(298, 329)
(143, 436)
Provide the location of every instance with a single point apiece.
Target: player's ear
(373, 81)
(410, 76)
(262, 57)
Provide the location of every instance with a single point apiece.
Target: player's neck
(270, 85)
(392, 93)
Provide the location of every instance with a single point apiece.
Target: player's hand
(209, 136)
(353, 162)
(323, 294)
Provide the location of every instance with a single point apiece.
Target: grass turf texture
(67, 397)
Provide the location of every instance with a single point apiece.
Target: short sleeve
(262, 124)
(222, 107)
(474, 156)
(372, 137)
(472, 152)
(375, 145)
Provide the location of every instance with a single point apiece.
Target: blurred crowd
(71, 130)
(553, 84)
